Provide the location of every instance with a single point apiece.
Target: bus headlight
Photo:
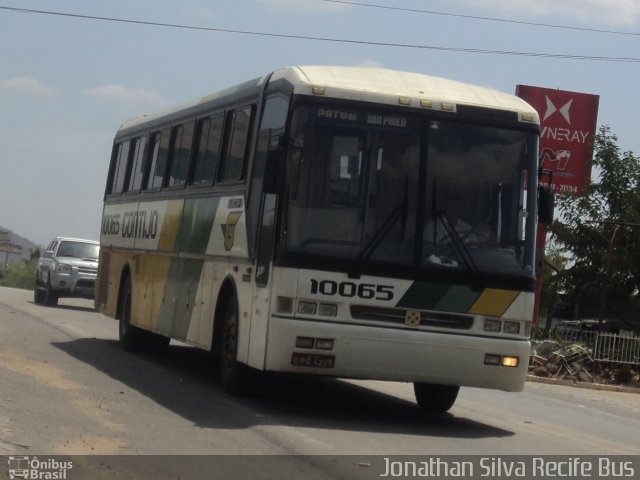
(491, 359)
(285, 305)
(328, 310)
(324, 343)
(305, 342)
(492, 325)
(511, 327)
(307, 308)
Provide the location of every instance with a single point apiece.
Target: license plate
(313, 360)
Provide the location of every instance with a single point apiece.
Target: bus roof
(375, 85)
(381, 85)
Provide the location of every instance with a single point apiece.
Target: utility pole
(611, 241)
(554, 299)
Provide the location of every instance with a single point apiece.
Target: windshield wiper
(398, 213)
(459, 247)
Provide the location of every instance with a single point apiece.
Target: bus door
(264, 200)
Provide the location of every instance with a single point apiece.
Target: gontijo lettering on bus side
(199, 226)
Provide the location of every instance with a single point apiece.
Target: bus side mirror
(546, 205)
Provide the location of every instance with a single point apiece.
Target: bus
(347, 222)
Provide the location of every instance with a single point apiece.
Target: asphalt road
(66, 388)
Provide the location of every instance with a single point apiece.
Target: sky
(67, 82)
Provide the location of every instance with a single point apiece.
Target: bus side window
(239, 128)
(137, 169)
(121, 158)
(207, 154)
(180, 153)
(156, 159)
(115, 153)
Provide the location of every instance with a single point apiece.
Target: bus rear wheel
(433, 398)
(235, 377)
(130, 337)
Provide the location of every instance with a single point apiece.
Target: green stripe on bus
(423, 295)
(180, 295)
(459, 298)
(195, 228)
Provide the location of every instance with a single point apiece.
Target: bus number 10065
(367, 291)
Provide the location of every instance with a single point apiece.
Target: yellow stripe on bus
(493, 302)
(169, 232)
(152, 286)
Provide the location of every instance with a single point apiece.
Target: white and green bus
(346, 222)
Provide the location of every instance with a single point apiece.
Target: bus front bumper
(407, 355)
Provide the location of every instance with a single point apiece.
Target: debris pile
(551, 359)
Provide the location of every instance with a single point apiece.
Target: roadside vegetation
(594, 240)
(593, 259)
(21, 275)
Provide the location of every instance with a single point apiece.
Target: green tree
(604, 215)
(555, 262)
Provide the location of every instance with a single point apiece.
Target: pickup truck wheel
(38, 293)
(50, 297)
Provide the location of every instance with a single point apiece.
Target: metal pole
(554, 299)
(605, 279)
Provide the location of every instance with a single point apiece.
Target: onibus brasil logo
(38, 469)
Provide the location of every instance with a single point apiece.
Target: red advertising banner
(568, 122)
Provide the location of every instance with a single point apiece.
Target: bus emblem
(412, 318)
(229, 229)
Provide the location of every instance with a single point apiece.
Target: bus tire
(130, 337)
(157, 344)
(234, 376)
(433, 398)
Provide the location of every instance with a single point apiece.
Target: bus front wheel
(433, 398)
(235, 377)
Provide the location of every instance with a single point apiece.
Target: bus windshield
(382, 187)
